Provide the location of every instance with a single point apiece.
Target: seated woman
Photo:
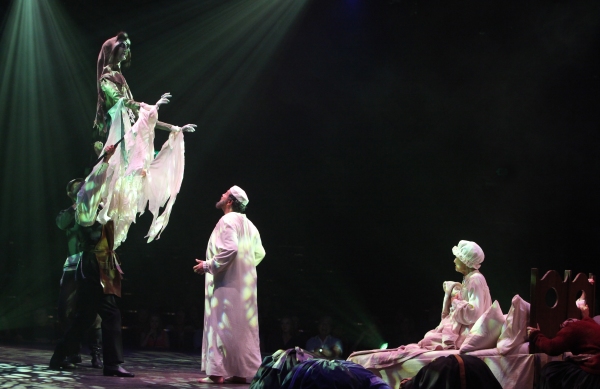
(463, 303)
(582, 339)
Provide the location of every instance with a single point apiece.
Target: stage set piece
(500, 340)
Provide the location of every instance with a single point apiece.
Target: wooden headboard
(553, 299)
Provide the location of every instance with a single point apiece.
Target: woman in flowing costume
(136, 176)
(463, 304)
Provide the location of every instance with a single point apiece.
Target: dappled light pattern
(42, 67)
(136, 178)
(28, 368)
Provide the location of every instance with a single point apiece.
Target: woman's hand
(164, 99)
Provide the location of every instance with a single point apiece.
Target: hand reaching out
(186, 128)
(189, 128)
(164, 99)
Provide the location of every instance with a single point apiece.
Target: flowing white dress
(135, 177)
(230, 344)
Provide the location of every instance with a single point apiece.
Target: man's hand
(108, 152)
(531, 330)
(199, 268)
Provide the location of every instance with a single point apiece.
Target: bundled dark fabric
(445, 373)
(324, 374)
(274, 368)
(559, 375)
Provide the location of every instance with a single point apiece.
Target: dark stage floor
(27, 367)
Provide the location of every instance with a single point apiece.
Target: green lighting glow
(209, 54)
(44, 117)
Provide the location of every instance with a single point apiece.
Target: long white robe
(474, 299)
(230, 344)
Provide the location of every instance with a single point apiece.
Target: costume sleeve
(66, 218)
(467, 311)
(89, 196)
(259, 251)
(227, 248)
(113, 94)
(164, 126)
(559, 344)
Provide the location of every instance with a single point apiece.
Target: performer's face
(460, 266)
(223, 201)
(123, 50)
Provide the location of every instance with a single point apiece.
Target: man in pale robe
(230, 343)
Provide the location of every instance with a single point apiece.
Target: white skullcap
(469, 253)
(239, 194)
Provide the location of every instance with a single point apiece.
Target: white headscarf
(469, 253)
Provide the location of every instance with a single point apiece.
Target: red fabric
(579, 337)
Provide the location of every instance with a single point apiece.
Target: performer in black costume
(68, 284)
(99, 281)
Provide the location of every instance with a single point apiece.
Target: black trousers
(92, 301)
(66, 310)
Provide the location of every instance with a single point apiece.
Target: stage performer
(112, 87)
(99, 280)
(582, 339)
(463, 304)
(136, 176)
(470, 300)
(230, 344)
(68, 286)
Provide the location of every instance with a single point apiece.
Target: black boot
(117, 371)
(95, 340)
(96, 361)
(58, 362)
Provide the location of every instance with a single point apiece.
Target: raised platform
(27, 366)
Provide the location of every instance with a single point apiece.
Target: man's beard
(220, 204)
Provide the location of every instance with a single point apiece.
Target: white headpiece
(239, 194)
(469, 253)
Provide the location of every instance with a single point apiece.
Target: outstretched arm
(169, 127)
(164, 99)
